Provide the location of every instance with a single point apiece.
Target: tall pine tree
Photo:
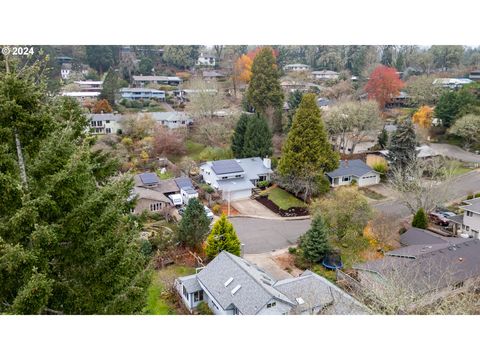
(258, 138)
(222, 237)
(238, 136)
(307, 153)
(264, 91)
(110, 86)
(194, 225)
(401, 151)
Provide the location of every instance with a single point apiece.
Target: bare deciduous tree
(206, 98)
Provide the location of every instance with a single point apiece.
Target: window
(469, 213)
(185, 293)
(346, 178)
(108, 130)
(467, 228)
(272, 304)
(238, 176)
(458, 285)
(108, 121)
(198, 296)
(155, 206)
(224, 177)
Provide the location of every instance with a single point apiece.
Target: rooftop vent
(460, 259)
(235, 289)
(228, 281)
(300, 301)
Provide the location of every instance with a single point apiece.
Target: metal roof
(351, 168)
(253, 167)
(235, 184)
(415, 236)
(149, 178)
(220, 167)
(184, 182)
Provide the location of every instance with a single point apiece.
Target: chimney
(346, 162)
(267, 163)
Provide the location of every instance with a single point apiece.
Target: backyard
(283, 199)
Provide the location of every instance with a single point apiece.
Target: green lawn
(458, 167)
(158, 302)
(283, 199)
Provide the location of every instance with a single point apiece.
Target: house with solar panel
(231, 285)
(154, 195)
(236, 178)
(353, 170)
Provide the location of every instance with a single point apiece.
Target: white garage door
(370, 179)
(237, 195)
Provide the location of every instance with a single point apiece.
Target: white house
(236, 177)
(205, 60)
(452, 83)
(108, 123)
(325, 75)
(296, 67)
(469, 222)
(90, 85)
(82, 95)
(230, 285)
(141, 81)
(350, 170)
(142, 94)
(65, 71)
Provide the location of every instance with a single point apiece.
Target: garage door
(238, 195)
(369, 180)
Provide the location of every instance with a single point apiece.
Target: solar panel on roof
(149, 178)
(226, 167)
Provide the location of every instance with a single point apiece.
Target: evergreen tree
(258, 138)
(110, 86)
(264, 91)
(239, 135)
(100, 57)
(307, 153)
(194, 225)
(383, 139)
(222, 237)
(448, 108)
(294, 100)
(68, 244)
(401, 151)
(420, 219)
(314, 243)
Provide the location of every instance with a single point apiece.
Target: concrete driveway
(264, 235)
(455, 152)
(253, 208)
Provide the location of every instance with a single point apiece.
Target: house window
(469, 213)
(346, 178)
(458, 285)
(272, 304)
(155, 206)
(185, 293)
(108, 130)
(238, 176)
(224, 177)
(198, 296)
(467, 228)
(235, 311)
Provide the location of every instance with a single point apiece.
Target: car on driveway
(445, 212)
(438, 219)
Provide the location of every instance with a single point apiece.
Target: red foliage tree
(102, 106)
(383, 85)
(253, 53)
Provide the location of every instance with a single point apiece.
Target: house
(428, 268)
(474, 75)
(230, 285)
(141, 81)
(66, 70)
(154, 195)
(82, 95)
(213, 75)
(469, 222)
(400, 100)
(205, 60)
(296, 67)
(423, 151)
(353, 170)
(142, 94)
(90, 85)
(325, 75)
(324, 103)
(236, 177)
(452, 83)
(112, 123)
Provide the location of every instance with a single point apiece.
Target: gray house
(469, 222)
(350, 170)
(231, 285)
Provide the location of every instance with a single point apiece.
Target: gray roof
(351, 168)
(150, 194)
(415, 236)
(458, 219)
(253, 167)
(149, 178)
(169, 116)
(190, 283)
(105, 116)
(142, 90)
(212, 73)
(226, 167)
(235, 184)
(163, 186)
(255, 290)
(155, 78)
(473, 205)
(184, 182)
(319, 294)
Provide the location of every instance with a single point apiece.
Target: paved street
(261, 235)
(455, 152)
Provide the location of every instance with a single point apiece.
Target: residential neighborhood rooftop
(354, 167)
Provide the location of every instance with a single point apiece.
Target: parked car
(445, 212)
(438, 219)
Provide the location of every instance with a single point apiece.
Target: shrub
(292, 250)
(263, 184)
(470, 196)
(477, 195)
(203, 309)
(402, 230)
(420, 219)
(207, 188)
(217, 209)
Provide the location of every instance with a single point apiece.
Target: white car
(208, 212)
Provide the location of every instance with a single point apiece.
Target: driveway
(266, 262)
(253, 207)
(455, 152)
(264, 235)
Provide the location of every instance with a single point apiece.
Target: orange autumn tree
(383, 85)
(243, 69)
(102, 106)
(423, 117)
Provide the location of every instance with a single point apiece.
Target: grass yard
(459, 168)
(159, 298)
(283, 199)
(371, 194)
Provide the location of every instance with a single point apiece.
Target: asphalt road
(455, 152)
(262, 235)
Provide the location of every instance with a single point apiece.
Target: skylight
(235, 289)
(300, 301)
(228, 282)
